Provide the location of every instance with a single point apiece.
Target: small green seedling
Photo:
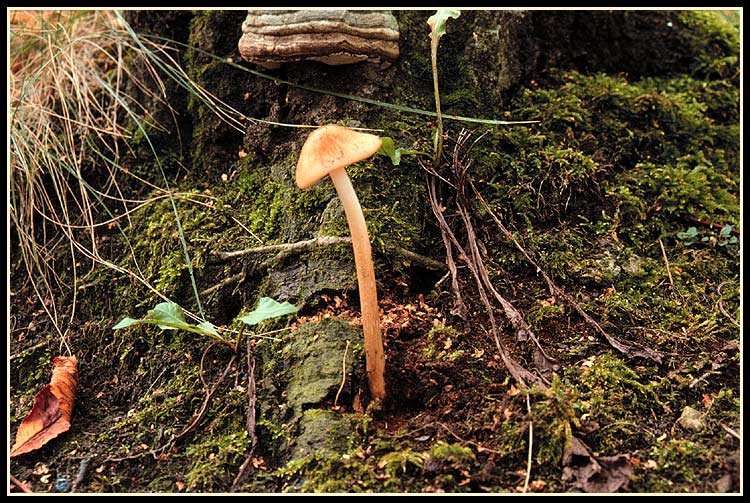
(388, 148)
(170, 316)
(437, 29)
(691, 237)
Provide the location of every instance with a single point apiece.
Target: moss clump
(555, 416)
(321, 431)
(329, 473)
(677, 465)
(155, 240)
(215, 461)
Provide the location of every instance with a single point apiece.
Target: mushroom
(327, 151)
(333, 37)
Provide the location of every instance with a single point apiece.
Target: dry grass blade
(69, 115)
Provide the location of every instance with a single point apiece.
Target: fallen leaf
(606, 474)
(537, 485)
(53, 407)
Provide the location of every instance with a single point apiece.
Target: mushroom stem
(368, 295)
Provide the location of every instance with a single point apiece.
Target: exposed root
(245, 468)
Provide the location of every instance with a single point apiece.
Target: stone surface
(314, 355)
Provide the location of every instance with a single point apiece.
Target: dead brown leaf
(593, 474)
(53, 407)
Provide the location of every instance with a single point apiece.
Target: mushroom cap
(331, 147)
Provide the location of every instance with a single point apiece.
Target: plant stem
(439, 117)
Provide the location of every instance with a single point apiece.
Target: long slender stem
(368, 294)
(439, 117)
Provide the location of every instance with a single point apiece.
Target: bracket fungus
(334, 37)
(327, 151)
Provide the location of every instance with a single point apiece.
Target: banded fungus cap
(332, 147)
(334, 37)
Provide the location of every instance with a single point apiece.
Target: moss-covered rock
(313, 356)
(321, 432)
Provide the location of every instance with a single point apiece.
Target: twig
(459, 307)
(556, 291)
(81, 474)
(666, 262)
(520, 374)
(284, 249)
(721, 305)
(416, 258)
(235, 278)
(478, 446)
(730, 431)
(523, 330)
(246, 229)
(23, 487)
(343, 375)
(209, 394)
(28, 350)
(196, 418)
(531, 445)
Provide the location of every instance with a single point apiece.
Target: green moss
(214, 461)
(554, 417)
(678, 465)
(454, 454)
(402, 460)
(34, 368)
(154, 239)
(716, 44)
(331, 473)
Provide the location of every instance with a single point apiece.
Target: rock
(305, 281)
(691, 419)
(633, 265)
(314, 358)
(321, 431)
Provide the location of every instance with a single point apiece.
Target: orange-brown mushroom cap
(331, 147)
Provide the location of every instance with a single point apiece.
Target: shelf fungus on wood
(334, 37)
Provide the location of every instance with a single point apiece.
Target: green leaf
(437, 22)
(125, 322)
(389, 148)
(726, 230)
(689, 234)
(169, 316)
(267, 308)
(207, 328)
(169, 313)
